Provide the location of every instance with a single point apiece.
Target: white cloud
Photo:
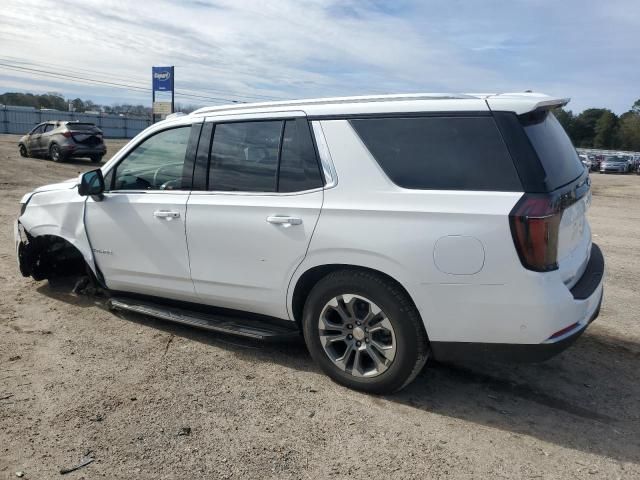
(289, 48)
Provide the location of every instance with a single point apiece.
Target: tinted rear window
(440, 153)
(554, 148)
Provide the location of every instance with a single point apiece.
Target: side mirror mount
(91, 184)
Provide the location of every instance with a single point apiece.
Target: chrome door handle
(286, 221)
(168, 214)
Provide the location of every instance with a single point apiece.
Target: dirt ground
(153, 400)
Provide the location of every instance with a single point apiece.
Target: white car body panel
(135, 250)
(58, 210)
(238, 259)
(221, 250)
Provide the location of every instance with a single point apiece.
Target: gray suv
(59, 141)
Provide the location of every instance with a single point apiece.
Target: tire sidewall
(407, 348)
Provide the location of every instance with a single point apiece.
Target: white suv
(385, 229)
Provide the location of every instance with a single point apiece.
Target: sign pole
(153, 98)
(173, 89)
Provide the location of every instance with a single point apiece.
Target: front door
(137, 231)
(251, 229)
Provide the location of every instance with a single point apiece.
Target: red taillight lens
(67, 134)
(535, 225)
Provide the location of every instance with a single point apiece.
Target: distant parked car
(59, 141)
(614, 164)
(586, 161)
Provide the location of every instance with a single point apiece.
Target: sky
(242, 50)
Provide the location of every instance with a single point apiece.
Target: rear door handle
(282, 220)
(168, 214)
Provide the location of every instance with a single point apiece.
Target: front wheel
(95, 158)
(55, 153)
(23, 151)
(364, 331)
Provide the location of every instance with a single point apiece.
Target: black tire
(95, 158)
(412, 344)
(55, 153)
(23, 151)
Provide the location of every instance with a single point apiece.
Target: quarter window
(440, 153)
(155, 164)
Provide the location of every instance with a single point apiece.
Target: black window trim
(189, 163)
(200, 166)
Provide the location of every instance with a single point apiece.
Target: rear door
(249, 226)
(137, 230)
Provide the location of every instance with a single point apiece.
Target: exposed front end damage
(49, 234)
(48, 256)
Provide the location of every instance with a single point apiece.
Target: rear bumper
(588, 292)
(79, 150)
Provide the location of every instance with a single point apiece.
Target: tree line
(56, 101)
(601, 128)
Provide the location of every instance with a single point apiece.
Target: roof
(399, 103)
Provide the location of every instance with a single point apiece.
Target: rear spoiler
(520, 103)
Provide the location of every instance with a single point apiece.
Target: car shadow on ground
(584, 399)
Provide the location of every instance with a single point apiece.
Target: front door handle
(168, 214)
(284, 221)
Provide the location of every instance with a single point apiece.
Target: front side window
(38, 129)
(244, 156)
(155, 164)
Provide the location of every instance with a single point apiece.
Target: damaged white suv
(385, 229)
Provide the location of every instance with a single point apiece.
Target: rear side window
(263, 156)
(299, 169)
(557, 154)
(244, 156)
(440, 153)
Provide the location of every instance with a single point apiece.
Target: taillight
(67, 134)
(535, 225)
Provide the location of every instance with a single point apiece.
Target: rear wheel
(55, 153)
(364, 331)
(95, 158)
(23, 151)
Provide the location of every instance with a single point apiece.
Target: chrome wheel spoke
(387, 351)
(380, 364)
(344, 359)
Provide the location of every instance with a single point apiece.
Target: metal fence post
(124, 120)
(5, 120)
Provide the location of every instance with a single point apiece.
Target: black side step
(250, 328)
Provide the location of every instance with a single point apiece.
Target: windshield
(554, 148)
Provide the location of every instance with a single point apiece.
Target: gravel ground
(152, 400)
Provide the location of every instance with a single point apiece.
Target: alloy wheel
(357, 336)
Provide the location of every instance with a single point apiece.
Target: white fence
(19, 120)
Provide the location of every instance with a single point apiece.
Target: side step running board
(250, 328)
